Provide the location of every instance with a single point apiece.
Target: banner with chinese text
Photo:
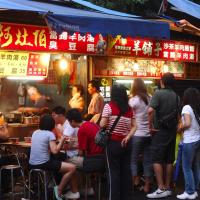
(37, 38)
(147, 48)
(23, 64)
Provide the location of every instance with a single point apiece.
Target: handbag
(170, 120)
(103, 135)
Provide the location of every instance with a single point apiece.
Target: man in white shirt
(64, 128)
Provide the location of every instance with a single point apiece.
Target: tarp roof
(63, 18)
(186, 6)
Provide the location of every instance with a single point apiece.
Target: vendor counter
(21, 130)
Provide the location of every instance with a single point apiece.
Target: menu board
(116, 67)
(23, 64)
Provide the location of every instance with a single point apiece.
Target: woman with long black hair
(118, 151)
(141, 140)
(191, 143)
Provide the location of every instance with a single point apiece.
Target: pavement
(137, 195)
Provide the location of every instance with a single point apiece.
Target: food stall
(33, 57)
(53, 57)
(129, 58)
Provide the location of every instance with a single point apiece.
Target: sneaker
(169, 192)
(72, 195)
(196, 194)
(185, 195)
(158, 194)
(90, 191)
(56, 193)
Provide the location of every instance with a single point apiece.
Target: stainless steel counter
(21, 130)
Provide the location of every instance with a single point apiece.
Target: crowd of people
(145, 132)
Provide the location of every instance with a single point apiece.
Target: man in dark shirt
(86, 145)
(163, 102)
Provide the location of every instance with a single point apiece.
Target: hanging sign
(23, 64)
(147, 48)
(37, 38)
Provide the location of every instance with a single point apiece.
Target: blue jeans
(141, 146)
(191, 166)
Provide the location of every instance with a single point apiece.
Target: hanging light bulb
(63, 64)
(165, 68)
(123, 41)
(135, 66)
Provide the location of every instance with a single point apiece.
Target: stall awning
(105, 26)
(186, 6)
(62, 18)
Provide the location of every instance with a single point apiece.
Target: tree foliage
(131, 6)
(139, 7)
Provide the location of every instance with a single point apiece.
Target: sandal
(56, 193)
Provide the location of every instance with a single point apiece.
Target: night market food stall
(81, 45)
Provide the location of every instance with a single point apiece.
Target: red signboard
(38, 64)
(147, 48)
(37, 38)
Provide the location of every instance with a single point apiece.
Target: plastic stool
(11, 168)
(41, 177)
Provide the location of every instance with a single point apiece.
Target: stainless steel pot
(28, 120)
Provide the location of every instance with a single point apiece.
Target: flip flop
(56, 193)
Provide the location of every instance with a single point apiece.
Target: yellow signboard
(13, 63)
(24, 64)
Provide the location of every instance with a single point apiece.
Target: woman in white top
(44, 143)
(77, 100)
(191, 143)
(142, 139)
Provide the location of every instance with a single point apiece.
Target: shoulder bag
(103, 135)
(170, 120)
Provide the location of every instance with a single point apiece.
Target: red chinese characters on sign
(36, 38)
(169, 50)
(23, 37)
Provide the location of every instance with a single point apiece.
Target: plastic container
(27, 139)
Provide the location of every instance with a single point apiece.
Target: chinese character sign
(23, 64)
(38, 64)
(13, 64)
(37, 38)
(146, 48)
(23, 37)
